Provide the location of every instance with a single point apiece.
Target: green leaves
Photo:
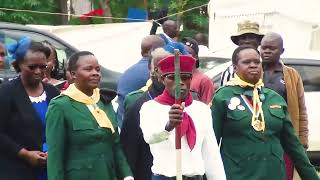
(29, 17)
(193, 21)
(178, 6)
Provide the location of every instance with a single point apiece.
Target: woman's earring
(234, 68)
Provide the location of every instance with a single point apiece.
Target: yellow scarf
(100, 116)
(148, 83)
(258, 125)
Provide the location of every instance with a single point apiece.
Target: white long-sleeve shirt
(204, 158)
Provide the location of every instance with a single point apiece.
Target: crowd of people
(253, 127)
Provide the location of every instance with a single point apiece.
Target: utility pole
(63, 8)
(104, 4)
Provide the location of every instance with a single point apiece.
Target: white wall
(224, 16)
(117, 46)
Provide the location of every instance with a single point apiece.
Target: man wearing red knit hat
(159, 117)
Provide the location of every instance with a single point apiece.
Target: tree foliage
(29, 17)
(193, 21)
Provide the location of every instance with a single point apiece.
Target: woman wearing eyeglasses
(23, 104)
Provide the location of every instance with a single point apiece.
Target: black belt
(198, 177)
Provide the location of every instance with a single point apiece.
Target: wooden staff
(177, 101)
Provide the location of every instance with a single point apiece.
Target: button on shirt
(275, 81)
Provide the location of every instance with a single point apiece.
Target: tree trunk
(179, 16)
(104, 4)
(63, 8)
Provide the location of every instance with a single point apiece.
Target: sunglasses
(2, 54)
(183, 77)
(33, 67)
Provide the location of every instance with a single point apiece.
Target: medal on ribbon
(258, 125)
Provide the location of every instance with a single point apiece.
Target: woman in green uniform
(253, 125)
(82, 135)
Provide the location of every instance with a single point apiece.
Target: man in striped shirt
(248, 34)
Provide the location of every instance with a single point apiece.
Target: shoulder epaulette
(139, 91)
(221, 87)
(59, 96)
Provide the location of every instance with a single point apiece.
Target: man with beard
(287, 82)
(136, 149)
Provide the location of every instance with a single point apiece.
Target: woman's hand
(34, 158)
(128, 178)
(175, 116)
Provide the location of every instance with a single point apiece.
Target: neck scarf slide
(187, 125)
(258, 125)
(74, 93)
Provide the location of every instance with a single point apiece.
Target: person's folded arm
(8, 145)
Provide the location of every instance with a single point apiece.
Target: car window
(208, 63)
(310, 76)
(10, 36)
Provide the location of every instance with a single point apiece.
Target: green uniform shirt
(78, 148)
(251, 155)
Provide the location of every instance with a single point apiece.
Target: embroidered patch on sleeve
(275, 106)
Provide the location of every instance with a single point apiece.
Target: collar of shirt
(169, 38)
(277, 68)
(145, 59)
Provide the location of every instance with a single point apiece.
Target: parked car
(11, 33)
(309, 69)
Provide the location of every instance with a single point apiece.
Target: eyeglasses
(183, 77)
(33, 67)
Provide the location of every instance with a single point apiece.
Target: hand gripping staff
(177, 101)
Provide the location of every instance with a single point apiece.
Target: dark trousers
(160, 177)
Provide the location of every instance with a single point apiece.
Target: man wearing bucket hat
(248, 34)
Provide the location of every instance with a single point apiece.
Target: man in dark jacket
(137, 75)
(136, 149)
